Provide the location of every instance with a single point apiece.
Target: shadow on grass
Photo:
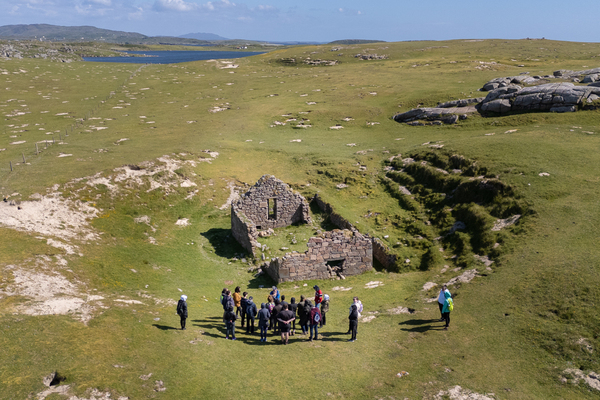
(422, 325)
(223, 242)
(165, 327)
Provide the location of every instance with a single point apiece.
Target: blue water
(172, 57)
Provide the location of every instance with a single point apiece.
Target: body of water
(172, 57)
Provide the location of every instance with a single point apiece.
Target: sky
(320, 20)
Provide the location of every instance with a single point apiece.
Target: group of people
(276, 314)
(280, 316)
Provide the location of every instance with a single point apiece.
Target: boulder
(497, 106)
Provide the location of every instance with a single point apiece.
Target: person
(182, 310)
(353, 318)
(250, 314)
(307, 309)
(359, 309)
(263, 321)
(237, 298)
(270, 306)
(222, 295)
(227, 302)
(302, 314)
(275, 293)
(285, 317)
(324, 309)
(318, 296)
(446, 309)
(283, 301)
(315, 318)
(276, 310)
(230, 323)
(244, 306)
(441, 299)
(293, 307)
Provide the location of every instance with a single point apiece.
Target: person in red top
(315, 319)
(318, 296)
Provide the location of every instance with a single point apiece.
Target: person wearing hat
(182, 310)
(318, 296)
(324, 309)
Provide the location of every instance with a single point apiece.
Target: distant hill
(203, 36)
(55, 33)
(355, 41)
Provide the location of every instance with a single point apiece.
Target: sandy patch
(343, 289)
(49, 293)
(458, 393)
(400, 310)
(373, 284)
(233, 195)
(182, 222)
(52, 215)
(19, 142)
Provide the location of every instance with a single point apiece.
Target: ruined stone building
(269, 204)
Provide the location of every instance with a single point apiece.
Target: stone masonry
(270, 203)
(334, 253)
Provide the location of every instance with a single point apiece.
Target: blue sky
(322, 21)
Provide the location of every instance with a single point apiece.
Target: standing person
(359, 309)
(307, 309)
(276, 310)
(315, 319)
(441, 299)
(284, 318)
(244, 306)
(318, 296)
(275, 293)
(237, 298)
(284, 302)
(324, 309)
(302, 313)
(263, 321)
(182, 310)
(250, 314)
(270, 306)
(227, 302)
(230, 323)
(448, 307)
(353, 318)
(293, 307)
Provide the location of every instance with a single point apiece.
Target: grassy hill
(124, 208)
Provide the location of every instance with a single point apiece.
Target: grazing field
(124, 205)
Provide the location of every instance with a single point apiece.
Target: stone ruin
(270, 204)
(522, 93)
(333, 254)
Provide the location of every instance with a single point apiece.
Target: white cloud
(173, 5)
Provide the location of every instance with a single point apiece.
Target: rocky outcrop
(521, 93)
(552, 97)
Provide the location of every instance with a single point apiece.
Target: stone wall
(244, 231)
(252, 213)
(334, 253)
(381, 252)
(270, 193)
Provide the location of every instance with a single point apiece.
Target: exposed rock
(458, 393)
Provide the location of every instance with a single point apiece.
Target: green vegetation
(139, 145)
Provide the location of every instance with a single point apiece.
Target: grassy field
(193, 131)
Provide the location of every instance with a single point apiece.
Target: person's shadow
(164, 327)
(421, 325)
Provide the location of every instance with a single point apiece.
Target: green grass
(513, 330)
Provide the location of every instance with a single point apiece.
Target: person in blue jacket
(446, 309)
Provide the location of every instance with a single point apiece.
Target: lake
(172, 57)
